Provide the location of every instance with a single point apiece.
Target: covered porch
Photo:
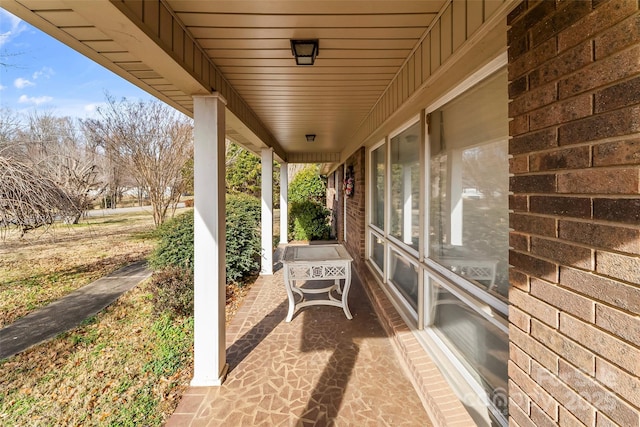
(320, 369)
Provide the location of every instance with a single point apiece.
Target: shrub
(176, 243)
(242, 238)
(172, 291)
(308, 216)
(308, 185)
(309, 221)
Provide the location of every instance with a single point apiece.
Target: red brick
(519, 318)
(626, 152)
(534, 266)
(563, 347)
(615, 67)
(565, 64)
(535, 392)
(601, 18)
(541, 418)
(579, 207)
(536, 141)
(567, 14)
(600, 181)
(567, 419)
(620, 382)
(562, 253)
(518, 397)
(618, 266)
(519, 357)
(599, 397)
(518, 87)
(530, 18)
(622, 324)
(565, 300)
(601, 343)
(519, 418)
(533, 183)
(531, 224)
(601, 288)
(621, 95)
(534, 307)
(618, 37)
(568, 158)
(533, 100)
(563, 394)
(519, 242)
(518, 164)
(619, 239)
(606, 125)
(518, 202)
(532, 59)
(519, 125)
(518, 280)
(517, 13)
(561, 112)
(617, 210)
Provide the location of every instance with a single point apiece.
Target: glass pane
(377, 251)
(404, 276)
(469, 194)
(478, 343)
(378, 160)
(405, 186)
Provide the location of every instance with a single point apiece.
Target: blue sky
(42, 74)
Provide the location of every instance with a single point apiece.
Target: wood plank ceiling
(363, 44)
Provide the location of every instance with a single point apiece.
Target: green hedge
(243, 239)
(308, 215)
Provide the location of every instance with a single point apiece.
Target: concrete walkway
(69, 311)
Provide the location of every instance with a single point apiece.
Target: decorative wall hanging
(348, 186)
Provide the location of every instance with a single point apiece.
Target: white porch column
(454, 166)
(210, 367)
(284, 202)
(266, 267)
(408, 204)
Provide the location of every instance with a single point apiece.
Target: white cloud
(16, 26)
(2, 87)
(45, 72)
(21, 83)
(93, 107)
(36, 100)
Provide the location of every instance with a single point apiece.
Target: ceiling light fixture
(310, 137)
(305, 51)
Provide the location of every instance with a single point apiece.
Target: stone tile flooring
(319, 370)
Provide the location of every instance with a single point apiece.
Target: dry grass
(46, 265)
(122, 367)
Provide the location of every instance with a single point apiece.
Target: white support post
(408, 204)
(210, 367)
(284, 202)
(455, 179)
(266, 267)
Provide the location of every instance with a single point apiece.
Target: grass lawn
(122, 367)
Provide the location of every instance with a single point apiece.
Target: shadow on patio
(320, 369)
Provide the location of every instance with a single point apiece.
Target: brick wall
(355, 212)
(574, 71)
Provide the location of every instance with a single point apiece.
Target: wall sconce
(305, 51)
(310, 137)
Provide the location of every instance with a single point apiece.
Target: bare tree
(60, 152)
(153, 141)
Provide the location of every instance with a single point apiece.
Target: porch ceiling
(363, 44)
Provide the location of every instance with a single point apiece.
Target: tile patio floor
(319, 370)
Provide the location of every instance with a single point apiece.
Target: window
(469, 186)
(378, 167)
(405, 186)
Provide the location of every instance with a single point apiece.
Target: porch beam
(266, 267)
(210, 367)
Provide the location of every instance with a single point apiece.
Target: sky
(38, 73)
